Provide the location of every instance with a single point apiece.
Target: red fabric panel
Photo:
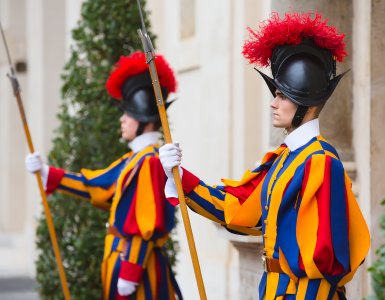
(324, 253)
(158, 182)
(55, 175)
(131, 226)
(131, 272)
(189, 181)
(173, 201)
(243, 192)
(304, 184)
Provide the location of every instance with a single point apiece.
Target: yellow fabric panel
(149, 252)
(118, 192)
(162, 241)
(74, 184)
(275, 202)
(171, 291)
(100, 195)
(247, 176)
(140, 292)
(250, 231)
(152, 272)
(291, 288)
(204, 193)
(199, 210)
(73, 195)
(324, 288)
(285, 266)
(232, 205)
(307, 223)
(109, 269)
(278, 192)
(145, 207)
(91, 174)
(136, 242)
(331, 154)
(335, 297)
(249, 213)
(103, 274)
(271, 285)
(359, 236)
(108, 240)
(302, 287)
(119, 185)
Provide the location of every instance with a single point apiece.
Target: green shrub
(88, 136)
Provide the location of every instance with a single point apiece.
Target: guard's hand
(126, 287)
(34, 163)
(170, 155)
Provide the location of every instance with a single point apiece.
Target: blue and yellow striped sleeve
(97, 186)
(227, 205)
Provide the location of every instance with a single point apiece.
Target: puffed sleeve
(235, 205)
(331, 232)
(97, 186)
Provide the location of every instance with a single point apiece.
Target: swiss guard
(135, 263)
(299, 198)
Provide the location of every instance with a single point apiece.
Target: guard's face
(283, 111)
(128, 126)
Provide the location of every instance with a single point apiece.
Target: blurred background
(221, 119)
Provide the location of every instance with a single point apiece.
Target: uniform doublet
(141, 219)
(302, 203)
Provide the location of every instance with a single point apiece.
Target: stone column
(377, 104)
(250, 264)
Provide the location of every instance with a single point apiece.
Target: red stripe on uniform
(158, 182)
(324, 253)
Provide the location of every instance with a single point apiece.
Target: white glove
(34, 163)
(170, 155)
(126, 287)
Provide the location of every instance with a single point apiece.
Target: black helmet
(302, 51)
(130, 83)
(304, 73)
(139, 98)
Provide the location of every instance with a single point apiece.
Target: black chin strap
(140, 129)
(299, 115)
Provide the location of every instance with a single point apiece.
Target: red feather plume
(134, 64)
(291, 30)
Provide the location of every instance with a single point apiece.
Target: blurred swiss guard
(299, 198)
(135, 263)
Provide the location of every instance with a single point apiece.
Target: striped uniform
(302, 203)
(132, 189)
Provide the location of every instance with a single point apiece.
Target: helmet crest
(135, 64)
(291, 30)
